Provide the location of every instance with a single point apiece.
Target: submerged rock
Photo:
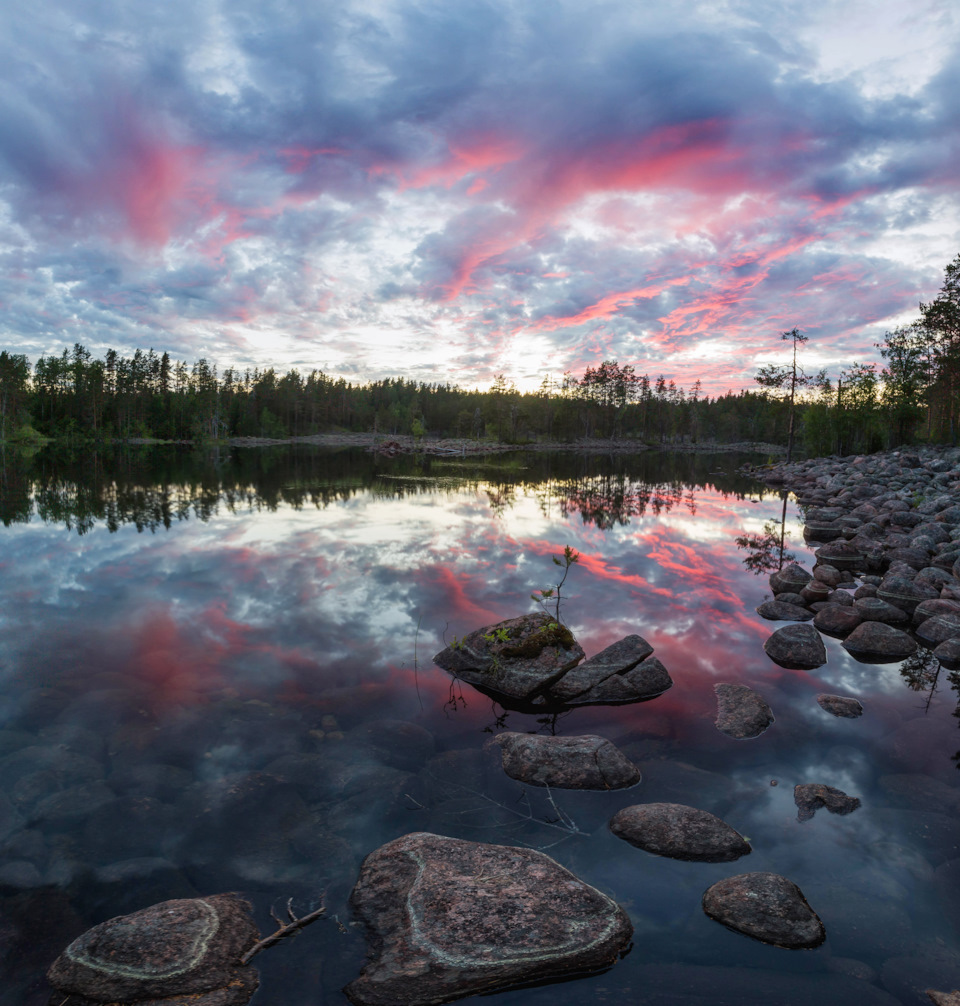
(798, 647)
(879, 643)
(448, 918)
(767, 907)
(840, 705)
(811, 796)
(741, 712)
(943, 998)
(586, 762)
(679, 832)
(184, 947)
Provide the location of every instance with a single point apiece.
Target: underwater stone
(172, 948)
(767, 907)
(811, 796)
(448, 918)
(679, 832)
(741, 712)
(840, 705)
(586, 762)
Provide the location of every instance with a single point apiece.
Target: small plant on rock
(549, 598)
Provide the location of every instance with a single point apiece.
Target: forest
(913, 395)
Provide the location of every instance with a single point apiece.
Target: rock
(789, 598)
(829, 575)
(948, 653)
(780, 611)
(448, 918)
(937, 629)
(872, 609)
(586, 762)
(519, 658)
(837, 620)
(904, 593)
(796, 646)
(937, 606)
(879, 643)
(815, 591)
(767, 907)
(792, 577)
(843, 597)
(840, 705)
(741, 712)
(841, 555)
(679, 832)
(179, 947)
(811, 796)
(645, 681)
(944, 998)
(617, 658)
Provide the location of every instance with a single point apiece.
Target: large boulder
(798, 647)
(767, 907)
(586, 762)
(741, 712)
(186, 947)
(533, 664)
(448, 918)
(793, 578)
(679, 832)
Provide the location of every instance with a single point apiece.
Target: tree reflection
(155, 487)
(767, 552)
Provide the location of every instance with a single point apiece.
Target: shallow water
(179, 630)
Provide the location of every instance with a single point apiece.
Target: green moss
(551, 634)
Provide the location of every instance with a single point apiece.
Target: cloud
(539, 184)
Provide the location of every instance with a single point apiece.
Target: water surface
(216, 676)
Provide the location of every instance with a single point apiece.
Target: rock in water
(811, 796)
(185, 947)
(767, 907)
(586, 762)
(840, 705)
(680, 832)
(943, 998)
(798, 647)
(741, 712)
(879, 643)
(449, 918)
(519, 657)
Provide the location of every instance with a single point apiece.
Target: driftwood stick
(286, 929)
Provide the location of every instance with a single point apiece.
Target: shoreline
(392, 445)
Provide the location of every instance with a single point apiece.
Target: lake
(217, 676)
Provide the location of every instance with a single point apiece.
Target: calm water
(216, 676)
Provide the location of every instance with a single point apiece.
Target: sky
(445, 191)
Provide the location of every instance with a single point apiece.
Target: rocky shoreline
(887, 533)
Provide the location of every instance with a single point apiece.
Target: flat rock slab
(741, 712)
(767, 907)
(879, 643)
(840, 705)
(586, 762)
(617, 659)
(679, 832)
(811, 796)
(798, 647)
(448, 918)
(175, 948)
(645, 681)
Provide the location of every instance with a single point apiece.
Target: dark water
(179, 631)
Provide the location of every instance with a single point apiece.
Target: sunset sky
(448, 190)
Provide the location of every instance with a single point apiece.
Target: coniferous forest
(913, 395)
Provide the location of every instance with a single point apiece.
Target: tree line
(914, 395)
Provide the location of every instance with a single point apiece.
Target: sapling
(549, 598)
